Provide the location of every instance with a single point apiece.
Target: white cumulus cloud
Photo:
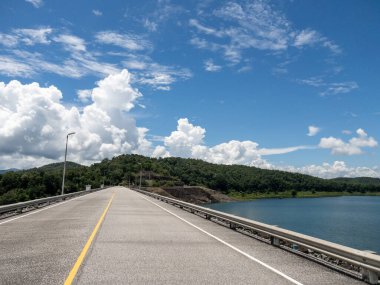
(187, 136)
(35, 123)
(352, 147)
(188, 141)
(335, 169)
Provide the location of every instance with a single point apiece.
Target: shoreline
(303, 194)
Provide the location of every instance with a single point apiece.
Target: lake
(353, 221)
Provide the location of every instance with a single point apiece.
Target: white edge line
(226, 243)
(44, 208)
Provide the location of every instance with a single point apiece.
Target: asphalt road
(142, 241)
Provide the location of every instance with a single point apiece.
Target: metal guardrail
(38, 203)
(360, 264)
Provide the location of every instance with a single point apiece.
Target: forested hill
(228, 179)
(359, 180)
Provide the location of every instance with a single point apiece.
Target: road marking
(226, 243)
(43, 209)
(69, 280)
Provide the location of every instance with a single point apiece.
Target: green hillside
(234, 180)
(359, 180)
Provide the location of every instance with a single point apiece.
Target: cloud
(27, 36)
(313, 130)
(71, 43)
(310, 37)
(80, 61)
(126, 41)
(251, 25)
(150, 25)
(35, 122)
(181, 142)
(135, 64)
(163, 12)
(232, 152)
(312, 81)
(35, 3)
(333, 88)
(273, 151)
(34, 36)
(204, 29)
(261, 26)
(340, 88)
(306, 37)
(160, 151)
(11, 67)
(84, 95)
(346, 132)
(210, 66)
(97, 12)
(27, 64)
(335, 169)
(158, 76)
(332, 47)
(188, 141)
(352, 147)
(89, 64)
(114, 93)
(8, 40)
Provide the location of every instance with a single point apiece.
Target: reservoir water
(352, 221)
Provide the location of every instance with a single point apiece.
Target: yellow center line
(78, 263)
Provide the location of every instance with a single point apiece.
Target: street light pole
(140, 175)
(64, 164)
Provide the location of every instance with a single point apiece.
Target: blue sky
(289, 85)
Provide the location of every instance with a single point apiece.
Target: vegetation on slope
(238, 181)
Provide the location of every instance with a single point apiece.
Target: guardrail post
(369, 276)
(275, 241)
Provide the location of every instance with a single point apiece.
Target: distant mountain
(9, 170)
(359, 180)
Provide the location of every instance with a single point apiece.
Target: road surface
(141, 241)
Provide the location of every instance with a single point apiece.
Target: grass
(290, 194)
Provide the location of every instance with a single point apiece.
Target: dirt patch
(191, 194)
